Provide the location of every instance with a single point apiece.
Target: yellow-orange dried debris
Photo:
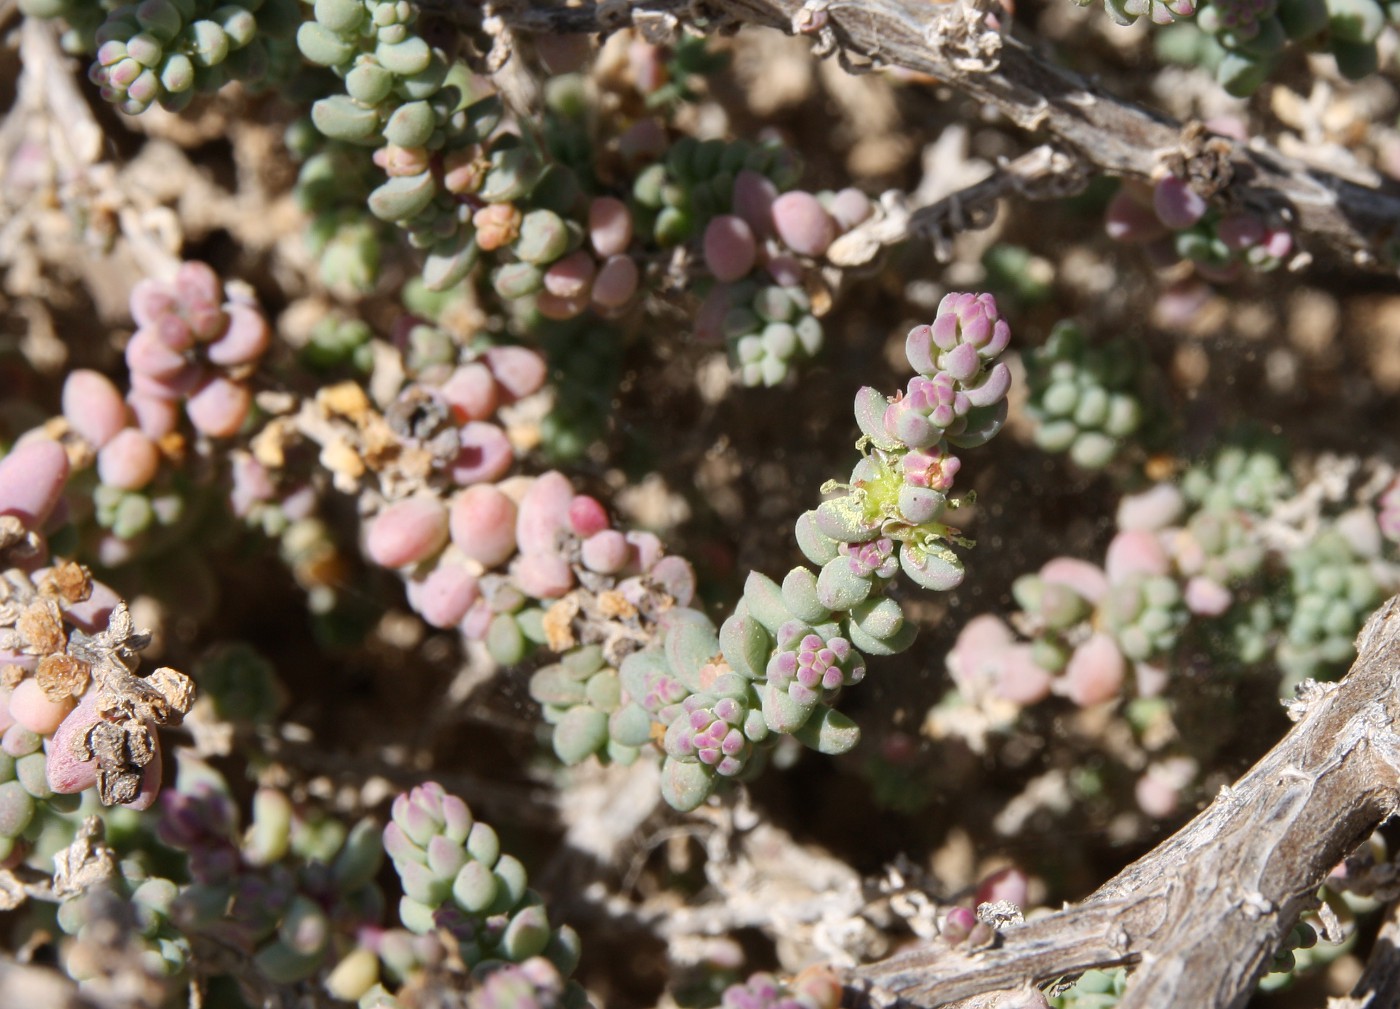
(558, 624)
(268, 445)
(68, 580)
(338, 457)
(344, 400)
(11, 675)
(614, 605)
(41, 626)
(381, 446)
(61, 676)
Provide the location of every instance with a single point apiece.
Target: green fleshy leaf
(359, 858)
(340, 117)
(839, 588)
(638, 667)
(483, 844)
(553, 685)
(934, 567)
(755, 726)
(402, 197)
(511, 881)
(624, 756)
(564, 950)
(604, 690)
(893, 645)
(1302, 19)
(829, 732)
(765, 602)
(512, 174)
(800, 596)
(476, 887)
(543, 237)
(483, 117)
(581, 732)
(881, 618)
(871, 405)
(320, 45)
(844, 519)
(416, 917)
(341, 16)
(685, 784)
(504, 640)
(630, 725)
(1355, 60)
(781, 712)
(516, 280)
(745, 643)
(449, 263)
(815, 545)
(1355, 21)
(410, 125)
(281, 964)
(411, 56)
(690, 644)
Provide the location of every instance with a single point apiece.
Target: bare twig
(952, 42)
(1201, 914)
(1040, 174)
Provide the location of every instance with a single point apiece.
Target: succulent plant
(1084, 400)
(164, 51)
(457, 882)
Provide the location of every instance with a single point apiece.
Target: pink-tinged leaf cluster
(960, 379)
(195, 343)
(1173, 223)
(605, 278)
(711, 731)
(492, 547)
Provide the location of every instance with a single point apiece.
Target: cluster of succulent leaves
(1243, 41)
(1086, 400)
(288, 892)
(459, 886)
(1193, 571)
(1332, 589)
(1303, 611)
(1175, 224)
(690, 58)
(411, 101)
(167, 51)
(332, 188)
(770, 332)
(678, 195)
(141, 906)
(716, 697)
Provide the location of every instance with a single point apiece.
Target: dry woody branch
(955, 43)
(1199, 916)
